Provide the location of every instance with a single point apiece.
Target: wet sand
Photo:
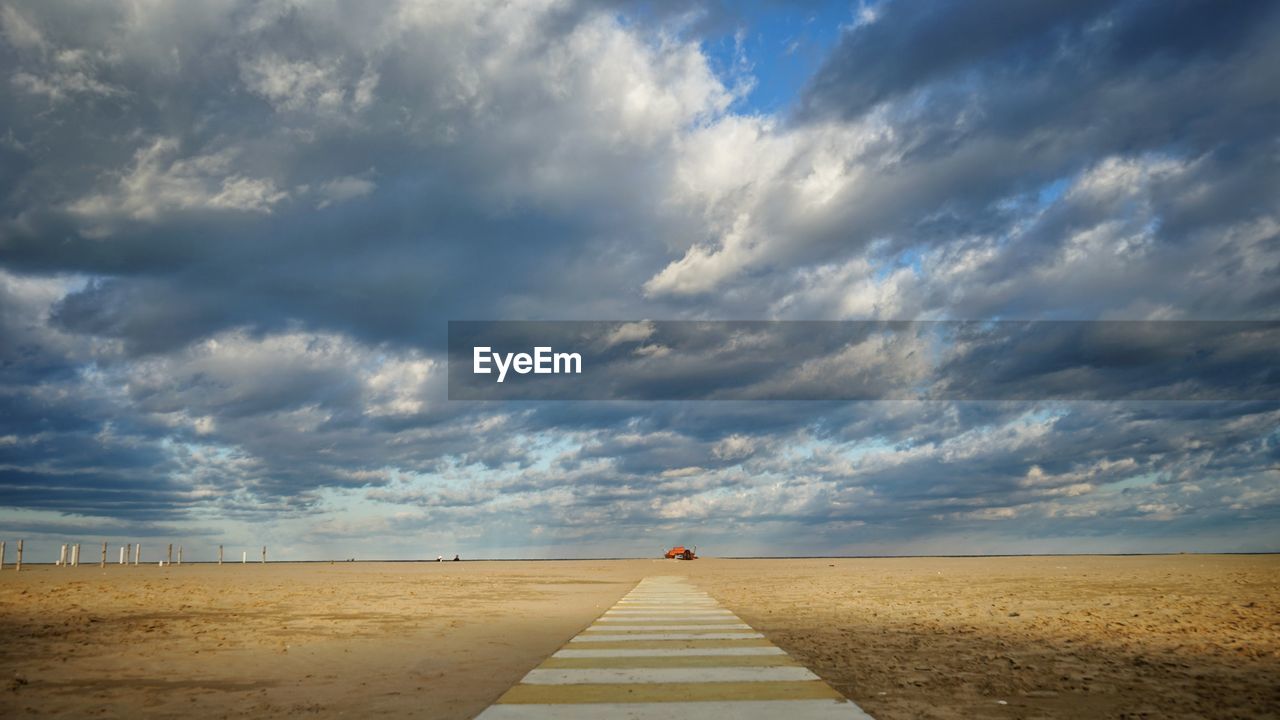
(1079, 637)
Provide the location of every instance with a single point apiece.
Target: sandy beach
(1062, 637)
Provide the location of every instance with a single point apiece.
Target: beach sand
(1053, 637)
(1064, 637)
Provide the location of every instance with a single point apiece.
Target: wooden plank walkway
(669, 650)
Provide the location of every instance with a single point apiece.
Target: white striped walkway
(668, 651)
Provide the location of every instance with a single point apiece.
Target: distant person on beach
(456, 558)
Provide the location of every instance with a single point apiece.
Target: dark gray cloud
(911, 46)
(231, 235)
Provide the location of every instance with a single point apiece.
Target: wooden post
(179, 554)
(169, 561)
(219, 554)
(244, 556)
(122, 551)
(104, 555)
(75, 555)
(137, 552)
(1, 554)
(264, 554)
(19, 567)
(62, 555)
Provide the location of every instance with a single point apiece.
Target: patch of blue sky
(875, 446)
(352, 503)
(780, 45)
(551, 448)
(1049, 193)
(806, 448)
(1137, 481)
(1045, 413)
(912, 257)
(209, 452)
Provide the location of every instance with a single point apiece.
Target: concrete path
(667, 650)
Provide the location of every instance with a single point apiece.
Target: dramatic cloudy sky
(232, 234)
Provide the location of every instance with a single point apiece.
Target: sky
(232, 235)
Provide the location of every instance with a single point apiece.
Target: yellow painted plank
(689, 661)
(608, 630)
(669, 692)
(671, 620)
(654, 644)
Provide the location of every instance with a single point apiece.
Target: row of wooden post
(2, 555)
(69, 556)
